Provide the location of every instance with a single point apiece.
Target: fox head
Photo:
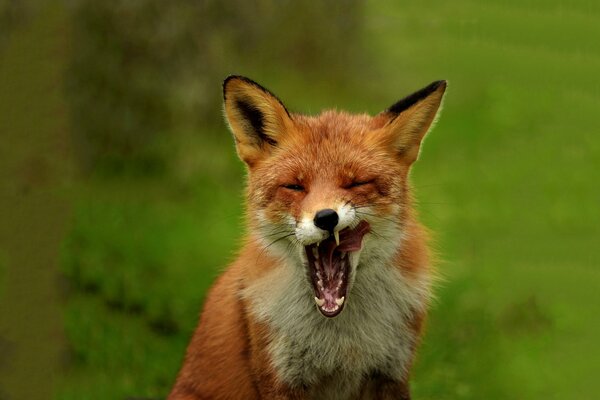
(328, 192)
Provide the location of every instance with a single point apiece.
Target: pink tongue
(351, 240)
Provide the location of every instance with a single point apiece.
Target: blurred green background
(121, 195)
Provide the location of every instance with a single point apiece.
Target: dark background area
(121, 194)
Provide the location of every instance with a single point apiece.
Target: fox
(328, 296)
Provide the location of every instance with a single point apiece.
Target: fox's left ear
(409, 120)
(257, 118)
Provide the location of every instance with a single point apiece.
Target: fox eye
(355, 184)
(294, 187)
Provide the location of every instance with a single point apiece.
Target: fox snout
(326, 219)
(325, 222)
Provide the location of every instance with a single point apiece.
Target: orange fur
(228, 357)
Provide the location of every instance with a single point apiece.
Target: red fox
(329, 293)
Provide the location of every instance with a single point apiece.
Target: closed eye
(294, 187)
(358, 184)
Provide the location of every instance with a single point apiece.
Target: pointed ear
(257, 118)
(409, 120)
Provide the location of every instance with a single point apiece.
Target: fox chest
(336, 354)
(371, 335)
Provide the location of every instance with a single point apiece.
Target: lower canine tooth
(315, 252)
(319, 301)
(340, 301)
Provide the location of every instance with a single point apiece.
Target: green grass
(507, 180)
(140, 257)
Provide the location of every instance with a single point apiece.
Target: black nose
(326, 219)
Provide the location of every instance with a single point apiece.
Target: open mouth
(329, 265)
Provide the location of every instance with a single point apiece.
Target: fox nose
(326, 219)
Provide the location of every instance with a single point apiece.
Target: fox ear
(409, 120)
(256, 117)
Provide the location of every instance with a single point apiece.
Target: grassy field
(507, 181)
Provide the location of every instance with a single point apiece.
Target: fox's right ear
(256, 117)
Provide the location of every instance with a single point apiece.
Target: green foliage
(142, 261)
(139, 259)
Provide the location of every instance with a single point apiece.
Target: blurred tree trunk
(34, 169)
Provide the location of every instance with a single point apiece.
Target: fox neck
(381, 304)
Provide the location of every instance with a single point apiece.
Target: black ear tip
(443, 83)
(417, 96)
(239, 78)
(229, 79)
(248, 81)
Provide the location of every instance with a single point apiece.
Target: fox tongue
(351, 240)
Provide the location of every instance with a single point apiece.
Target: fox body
(328, 295)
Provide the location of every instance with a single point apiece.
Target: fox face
(328, 192)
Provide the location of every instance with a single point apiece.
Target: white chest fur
(371, 334)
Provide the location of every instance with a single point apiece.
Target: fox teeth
(319, 301)
(315, 252)
(340, 301)
(336, 234)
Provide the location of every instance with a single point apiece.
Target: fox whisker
(272, 243)
(359, 213)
